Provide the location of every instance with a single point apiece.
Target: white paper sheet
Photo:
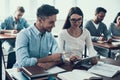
(104, 69)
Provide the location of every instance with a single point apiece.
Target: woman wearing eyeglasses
(73, 37)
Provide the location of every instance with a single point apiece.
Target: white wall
(7, 7)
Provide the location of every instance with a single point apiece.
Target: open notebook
(105, 69)
(78, 75)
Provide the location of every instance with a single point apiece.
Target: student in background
(114, 31)
(73, 38)
(13, 24)
(35, 43)
(114, 28)
(98, 29)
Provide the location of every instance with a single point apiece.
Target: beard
(48, 29)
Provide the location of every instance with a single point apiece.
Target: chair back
(11, 59)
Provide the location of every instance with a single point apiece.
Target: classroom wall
(7, 7)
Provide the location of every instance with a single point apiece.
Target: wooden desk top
(7, 36)
(68, 67)
(106, 45)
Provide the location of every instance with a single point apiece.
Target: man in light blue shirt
(13, 24)
(35, 44)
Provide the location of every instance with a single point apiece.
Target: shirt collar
(36, 31)
(14, 19)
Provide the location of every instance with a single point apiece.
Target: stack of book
(33, 72)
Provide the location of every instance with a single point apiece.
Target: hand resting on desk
(10, 31)
(86, 63)
(50, 61)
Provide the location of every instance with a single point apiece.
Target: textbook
(33, 72)
(105, 69)
(78, 75)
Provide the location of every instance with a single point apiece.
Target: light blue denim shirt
(9, 22)
(30, 45)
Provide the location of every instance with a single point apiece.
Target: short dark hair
(21, 9)
(100, 9)
(73, 10)
(46, 10)
(115, 20)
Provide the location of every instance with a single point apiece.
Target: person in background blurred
(114, 28)
(98, 30)
(73, 38)
(13, 24)
(114, 32)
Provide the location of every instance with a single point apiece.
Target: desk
(68, 67)
(4, 37)
(107, 46)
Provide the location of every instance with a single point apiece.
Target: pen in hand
(101, 37)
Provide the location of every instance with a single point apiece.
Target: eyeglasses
(76, 20)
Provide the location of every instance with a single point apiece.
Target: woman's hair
(73, 10)
(115, 20)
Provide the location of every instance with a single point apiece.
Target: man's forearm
(5, 31)
(48, 64)
(51, 58)
(116, 37)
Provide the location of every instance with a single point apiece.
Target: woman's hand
(94, 60)
(74, 58)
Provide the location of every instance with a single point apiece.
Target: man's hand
(51, 58)
(101, 38)
(14, 31)
(48, 65)
(45, 65)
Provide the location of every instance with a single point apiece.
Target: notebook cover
(34, 71)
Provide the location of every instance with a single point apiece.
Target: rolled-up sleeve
(4, 24)
(54, 47)
(22, 53)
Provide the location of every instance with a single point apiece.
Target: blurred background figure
(98, 29)
(13, 24)
(114, 32)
